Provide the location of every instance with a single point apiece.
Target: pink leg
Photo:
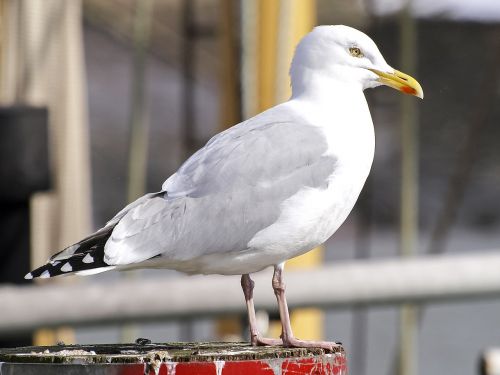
(256, 338)
(287, 335)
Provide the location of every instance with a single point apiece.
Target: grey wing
(225, 193)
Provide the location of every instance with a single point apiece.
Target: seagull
(268, 189)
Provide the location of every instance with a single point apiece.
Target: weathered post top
(171, 358)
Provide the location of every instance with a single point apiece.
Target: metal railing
(371, 282)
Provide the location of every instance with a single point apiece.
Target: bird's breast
(312, 215)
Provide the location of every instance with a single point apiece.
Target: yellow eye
(356, 52)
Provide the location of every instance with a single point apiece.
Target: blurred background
(100, 101)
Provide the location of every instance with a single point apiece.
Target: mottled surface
(174, 352)
(172, 358)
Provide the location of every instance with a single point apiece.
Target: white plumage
(264, 191)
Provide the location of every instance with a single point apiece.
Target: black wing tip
(40, 273)
(46, 271)
(79, 262)
(85, 255)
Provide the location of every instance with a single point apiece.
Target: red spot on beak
(408, 90)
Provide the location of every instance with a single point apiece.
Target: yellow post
(267, 31)
(281, 26)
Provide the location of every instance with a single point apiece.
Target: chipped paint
(340, 362)
(276, 365)
(171, 366)
(219, 366)
(154, 361)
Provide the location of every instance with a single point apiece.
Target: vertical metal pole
(188, 118)
(188, 124)
(139, 122)
(362, 251)
(139, 125)
(409, 192)
(230, 108)
(248, 72)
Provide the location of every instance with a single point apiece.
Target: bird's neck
(331, 102)
(325, 91)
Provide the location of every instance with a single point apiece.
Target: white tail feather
(95, 270)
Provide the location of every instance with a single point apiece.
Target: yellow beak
(400, 81)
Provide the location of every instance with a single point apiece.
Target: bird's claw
(293, 342)
(259, 340)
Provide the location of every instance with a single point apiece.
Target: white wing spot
(67, 267)
(45, 275)
(28, 276)
(88, 259)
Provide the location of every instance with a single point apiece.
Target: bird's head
(349, 56)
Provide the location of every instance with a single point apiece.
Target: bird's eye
(356, 52)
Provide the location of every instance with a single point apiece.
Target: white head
(343, 55)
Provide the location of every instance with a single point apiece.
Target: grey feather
(225, 193)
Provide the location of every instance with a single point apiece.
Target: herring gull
(266, 190)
